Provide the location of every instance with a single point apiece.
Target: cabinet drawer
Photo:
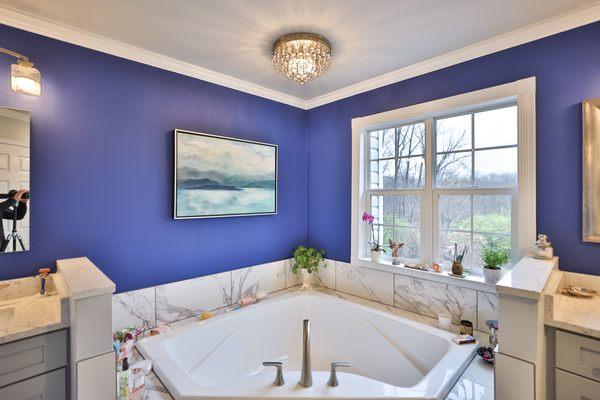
(49, 386)
(32, 356)
(573, 387)
(578, 354)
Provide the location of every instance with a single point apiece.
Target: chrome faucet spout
(306, 374)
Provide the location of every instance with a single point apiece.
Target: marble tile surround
(434, 298)
(179, 300)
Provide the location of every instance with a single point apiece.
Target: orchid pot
(375, 255)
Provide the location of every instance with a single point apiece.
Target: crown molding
(55, 30)
(14, 114)
(560, 23)
(563, 22)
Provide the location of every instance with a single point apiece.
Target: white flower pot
(492, 275)
(306, 280)
(375, 255)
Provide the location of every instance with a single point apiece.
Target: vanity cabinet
(577, 367)
(49, 386)
(34, 368)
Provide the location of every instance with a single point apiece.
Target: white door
(14, 174)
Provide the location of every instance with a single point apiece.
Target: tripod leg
(5, 244)
(21, 242)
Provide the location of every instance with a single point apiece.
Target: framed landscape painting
(217, 176)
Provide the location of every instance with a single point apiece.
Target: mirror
(14, 180)
(591, 170)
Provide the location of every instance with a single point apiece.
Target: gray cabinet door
(49, 386)
(32, 356)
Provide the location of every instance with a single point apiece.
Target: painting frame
(176, 135)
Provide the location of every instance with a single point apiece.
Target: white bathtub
(391, 357)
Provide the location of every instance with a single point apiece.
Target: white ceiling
(235, 37)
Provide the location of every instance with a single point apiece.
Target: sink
(24, 289)
(6, 315)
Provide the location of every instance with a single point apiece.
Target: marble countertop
(76, 278)
(528, 278)
(83, 278)
(35, 316)
(574, 314)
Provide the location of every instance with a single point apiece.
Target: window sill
(475, 282)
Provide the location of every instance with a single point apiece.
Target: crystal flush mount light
(24, 78)
(302, 57)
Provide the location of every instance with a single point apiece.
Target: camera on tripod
(14, 213)
(12, 193)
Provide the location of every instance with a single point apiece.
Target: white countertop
(528, 278)
(83, 278)
(574, 314)
(76, 278)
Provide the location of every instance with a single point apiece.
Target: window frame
(523, 230)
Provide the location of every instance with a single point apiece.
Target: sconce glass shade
(24, 78)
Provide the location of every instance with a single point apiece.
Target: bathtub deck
(476, 382)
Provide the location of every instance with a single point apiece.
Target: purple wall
(102, 157)
(101, 137)
(567, 68)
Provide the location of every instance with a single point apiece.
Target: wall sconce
(24, 78)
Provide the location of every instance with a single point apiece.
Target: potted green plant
(306, 261)
(494, 256)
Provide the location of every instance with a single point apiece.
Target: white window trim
(522, 92)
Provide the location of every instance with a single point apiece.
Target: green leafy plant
(495, 255)
(307, 258)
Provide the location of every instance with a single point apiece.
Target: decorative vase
(457, 268)
(396, 260)
(306, 280)
(375, 255)
(492, 276)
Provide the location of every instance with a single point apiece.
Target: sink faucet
(306, 374)
(43, 273)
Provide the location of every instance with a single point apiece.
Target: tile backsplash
(179, 300)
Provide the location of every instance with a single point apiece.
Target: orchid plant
(374, 242)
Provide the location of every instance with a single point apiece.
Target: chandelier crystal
(302, 57)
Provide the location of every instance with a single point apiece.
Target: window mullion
(427, 207)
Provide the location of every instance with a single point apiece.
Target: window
(448, 173)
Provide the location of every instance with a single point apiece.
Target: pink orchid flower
(368, 218)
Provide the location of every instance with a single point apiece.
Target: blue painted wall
(102, 157)
(567, 68)
(101, 137)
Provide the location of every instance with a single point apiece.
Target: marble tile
(269, 277)
(434, 298)
(466, 389)
(480, 372)
(184, 299)
(134, 309)
(487, 308)
(155, 390)
(363, 282)
(291, 279)
(325, 276)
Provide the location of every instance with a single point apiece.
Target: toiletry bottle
(124, 381)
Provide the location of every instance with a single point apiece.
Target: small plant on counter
(308, 259)
(494, 256)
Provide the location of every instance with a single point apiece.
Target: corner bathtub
(390, 356)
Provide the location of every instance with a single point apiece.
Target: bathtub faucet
(306, 374)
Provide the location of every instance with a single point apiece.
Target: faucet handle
(333, 380)
(279, 377)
